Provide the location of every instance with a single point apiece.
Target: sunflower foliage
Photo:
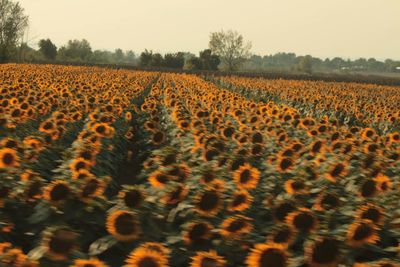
(104, 167)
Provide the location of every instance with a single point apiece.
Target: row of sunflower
(226, 179)
(350, 103)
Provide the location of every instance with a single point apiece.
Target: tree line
(227, 50)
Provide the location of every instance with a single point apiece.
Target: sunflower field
(104, 167)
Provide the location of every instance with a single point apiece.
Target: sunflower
(235, 227)
(282, 210)
(211, 258)
(34, 190)
(368, 188)
(246, 176)
(367, 134)
(302, 220)
(179, 172)
(57, 191)
(157, 247)
(383, 182)
(132, 197)
(284, 164)
(327, 201)
(13, 257)
(284, 236)
(241, 201)
(208, 203)
(128, 116)
(197, 232)
(158, 179)
(295, 187)
(207, 176)
(336, 171)
(324, 252)
(176, 195)
(267, 255)
(227, 132)
(93, 262)
(102, 129)
(123, 225)
(371, 212)
(59, 243)
(210, 153)
(8, 158)
(386, 263)
(47, 127)
(158, 138)
(79, 164)
(81, 174)
(362, 232)
(92, 187)
(142, 257)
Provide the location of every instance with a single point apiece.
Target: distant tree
(208, 60)
(175, 61)
(76, 50)
(194, 63)
(156, 60)
(130, 56)
(230, 47)
(48, 49)
(101, 56)
(13, 23)
(27, 54)
(305, 64)
(118, 55)
(146, 58)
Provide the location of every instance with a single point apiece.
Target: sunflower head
(93, 262)
(284, 236)
(8, 158)
(267, 255)
(235, 227)
(246, 177)
(323, 252)
(123, 225)
(143, 257)
(241, 201)
(208, 203)
(204, 259)
(57, 191)
(60, 243)
(303, 220)
(159, 179)
(371, 212)
(362, 232)
(132, 197)
(295, 187)
(197, 232)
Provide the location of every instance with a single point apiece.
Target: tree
(119, 55)
(145, 58)
(208, 60)
(48, 49)
(101, 56)
(230, 47)
(305, 64)
(175, 61)
(156, 60)
(76, 51)
(130, 56)
(13, 23)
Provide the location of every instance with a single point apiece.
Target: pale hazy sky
(322, 28)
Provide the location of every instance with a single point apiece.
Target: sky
(321, 28)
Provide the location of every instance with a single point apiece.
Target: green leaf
(102, 244)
